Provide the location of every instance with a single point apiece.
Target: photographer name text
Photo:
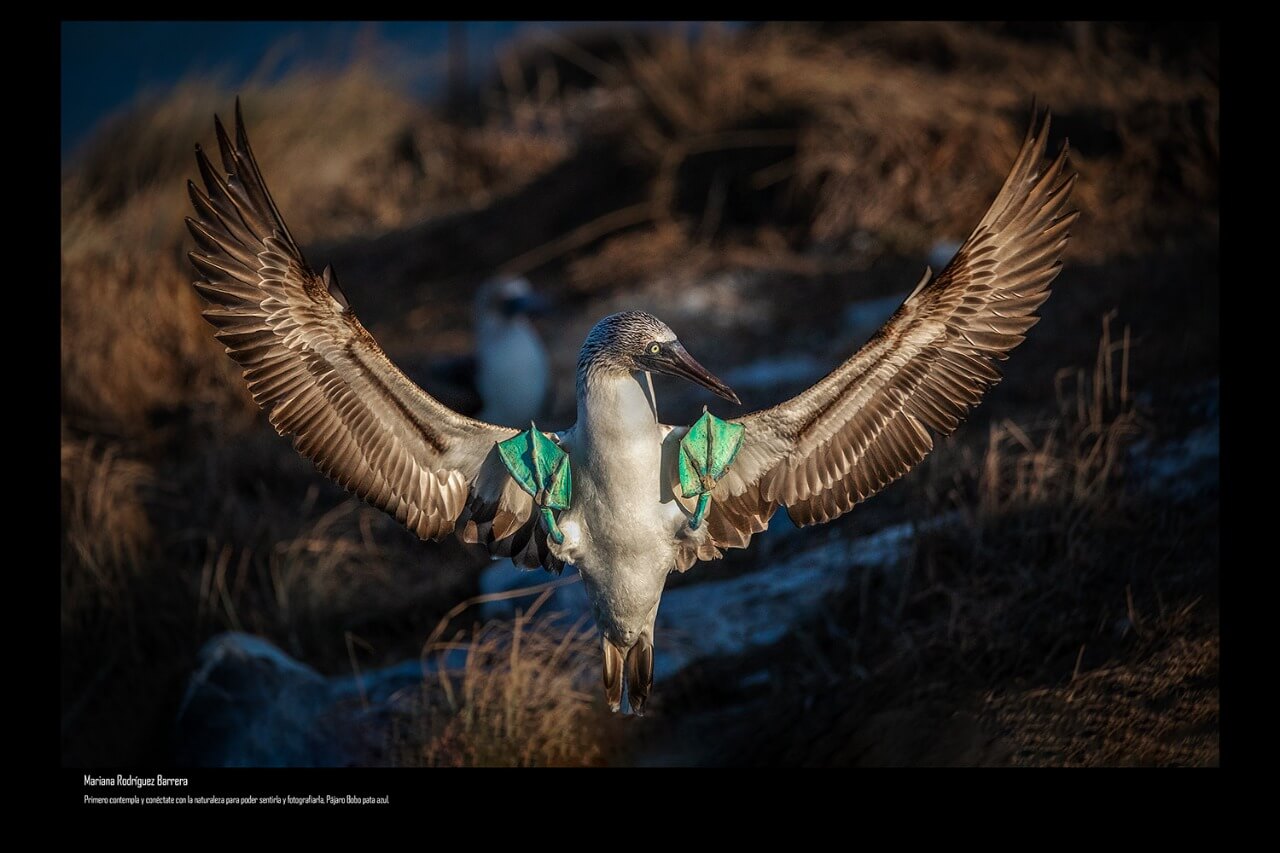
(122, 781)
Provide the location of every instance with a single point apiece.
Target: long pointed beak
(680, 363)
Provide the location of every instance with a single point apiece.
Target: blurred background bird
(506, 379)
(511, 369)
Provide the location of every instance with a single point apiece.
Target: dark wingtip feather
(224, 147)
(1037, 120)
(192, 256)
(207, 173)
(250, 179)
(1045, 123)
(242, 137)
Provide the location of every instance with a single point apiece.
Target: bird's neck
(615, 405)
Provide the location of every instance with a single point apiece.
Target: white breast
(624, 522)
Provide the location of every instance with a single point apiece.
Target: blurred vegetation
(745, 186)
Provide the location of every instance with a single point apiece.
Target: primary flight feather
(323, 379)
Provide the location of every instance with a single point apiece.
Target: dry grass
(1042, 509)
(525, 695)
(1076, 458)
(789, 138)
(107, 536)
(1065, 618)
(330, 571)
(1038, 506)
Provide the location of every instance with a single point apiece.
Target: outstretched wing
(323, 379)
(871, 419)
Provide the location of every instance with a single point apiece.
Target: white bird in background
(636, 499)
(506, 378)
(512, 372)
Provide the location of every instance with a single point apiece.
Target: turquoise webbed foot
(706, 452)
(541, 469)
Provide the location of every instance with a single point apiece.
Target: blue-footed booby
(513, 374)
(620, 495)
(506, 378)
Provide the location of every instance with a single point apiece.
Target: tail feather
(612, 674)
(639, 674)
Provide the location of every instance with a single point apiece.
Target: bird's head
(632, 341)
(509, 297)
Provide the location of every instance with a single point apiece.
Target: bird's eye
(654, 349)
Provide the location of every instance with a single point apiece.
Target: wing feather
(873, 418)
(322, 378)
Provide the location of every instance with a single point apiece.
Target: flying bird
(620, 495)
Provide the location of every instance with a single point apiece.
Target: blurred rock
(503, 576)
(1185, 467)
(768, 373)
(731, 616)
(251, 705)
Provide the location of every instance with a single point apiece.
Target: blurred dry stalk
(524, 695)
(107, 537)
(299, 587)
(1062, 612)
(849, 139)
(1074, 458)
(1038, 506)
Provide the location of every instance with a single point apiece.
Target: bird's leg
(640, 674)
(612, 674)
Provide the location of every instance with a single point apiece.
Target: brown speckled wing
(873, 418)
(322, 378)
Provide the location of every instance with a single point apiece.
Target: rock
(729, 616)
(1185, 468)
(759, 608)
(503, 576)
(251, 705)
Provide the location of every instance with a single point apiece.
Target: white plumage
(513, 375)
